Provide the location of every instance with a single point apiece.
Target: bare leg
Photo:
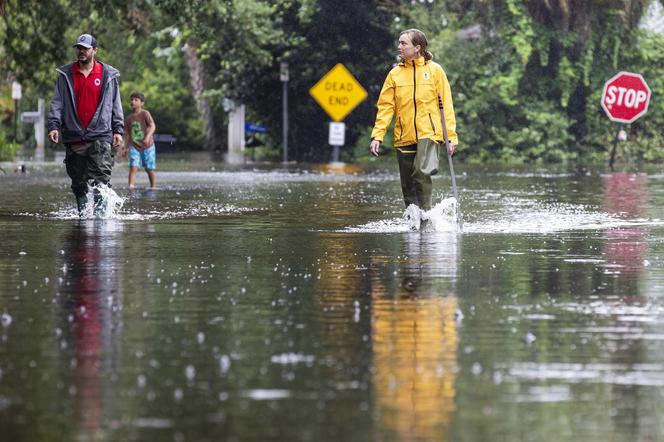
(153, 178)
(132, 177)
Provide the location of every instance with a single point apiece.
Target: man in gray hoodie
(86, 115)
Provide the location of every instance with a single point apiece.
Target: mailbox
(38, 119)
(30, 117)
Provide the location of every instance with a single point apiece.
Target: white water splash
(441, 218)
(518, 217)
(262, 394)
(195, 209)
(108, 207)
(546, 218)
(413, 216)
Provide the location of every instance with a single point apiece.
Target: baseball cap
(86, 40)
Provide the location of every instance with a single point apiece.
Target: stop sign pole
(625, 98)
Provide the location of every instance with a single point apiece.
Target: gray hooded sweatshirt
(108, 118)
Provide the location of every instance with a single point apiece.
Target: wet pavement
(271, 303)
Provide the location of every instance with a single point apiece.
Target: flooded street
(294, 304)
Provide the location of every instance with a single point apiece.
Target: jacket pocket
(433, 126)
(400, 129)
(104, 122)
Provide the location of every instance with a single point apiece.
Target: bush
(8, 149)
(360, 151)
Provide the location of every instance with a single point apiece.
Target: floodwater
(274, 303)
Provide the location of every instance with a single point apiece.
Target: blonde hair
(418, 38)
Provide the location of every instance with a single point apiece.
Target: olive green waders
(92, 166)
(416, 187)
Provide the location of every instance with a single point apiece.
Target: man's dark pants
(416, 187)
(93, 166)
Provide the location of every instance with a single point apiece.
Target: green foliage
(646, 137)
(33, 45)
(8, 149)
(6, 103)
(235, 39)
(527, 90)
(542, 136)
(521, 34)
(316, 37)
(360, 151)
(158, 70)
(132, 37)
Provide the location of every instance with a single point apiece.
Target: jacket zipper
(106, 79)
(68, 81)
(73, 100)
(414, 100)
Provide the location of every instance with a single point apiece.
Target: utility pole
(283, 76)
(16, 96)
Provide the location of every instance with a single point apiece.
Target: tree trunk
(197, 81)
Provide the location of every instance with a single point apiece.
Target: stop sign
(625, 97)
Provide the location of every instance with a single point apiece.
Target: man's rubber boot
(81, 203)
(426, 225)
(413, 216)
(99, 209)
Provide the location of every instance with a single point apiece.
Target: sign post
(338, 93)
(336, 138)
(625, 98)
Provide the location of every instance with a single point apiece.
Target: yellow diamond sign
(338, 92)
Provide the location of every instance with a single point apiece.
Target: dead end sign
(338, 92)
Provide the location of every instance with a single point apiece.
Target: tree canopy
(526, 76)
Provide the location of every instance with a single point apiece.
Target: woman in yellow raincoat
(411, 92)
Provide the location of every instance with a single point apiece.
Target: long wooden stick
(459, 214)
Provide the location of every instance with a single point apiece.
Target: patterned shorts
(146, 159)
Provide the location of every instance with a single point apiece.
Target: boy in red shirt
(139, 143)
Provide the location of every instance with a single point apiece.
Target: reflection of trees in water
(625, 194)
(340, 290)
(414, 340)
(89, 290)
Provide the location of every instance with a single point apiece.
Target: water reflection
(272, 321)
(414, 340)
(338, 168)
(90, 300)
(625, 194)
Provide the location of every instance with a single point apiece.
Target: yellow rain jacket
(411, 91)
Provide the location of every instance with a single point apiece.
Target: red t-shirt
(87, 91)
